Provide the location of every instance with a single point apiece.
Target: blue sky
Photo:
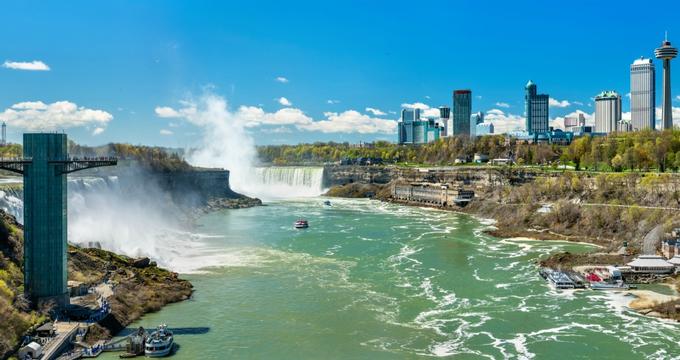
(127, 71)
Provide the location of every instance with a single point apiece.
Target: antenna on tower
(666, 36)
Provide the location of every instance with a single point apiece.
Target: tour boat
(618, 285)
(159, 343)
(327, 203)
(558, 279)
(301, 224)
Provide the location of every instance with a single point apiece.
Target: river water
(371, 280)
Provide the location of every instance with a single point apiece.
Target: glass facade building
(45, 245)
(462, 109)
(536, 110)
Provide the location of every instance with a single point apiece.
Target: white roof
(642, 61)
(650, 261)
(34, 346)
(675, 260)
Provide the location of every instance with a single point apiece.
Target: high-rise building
(414, 130)
(607, 112)
(666, 53)
(642, 94)
(484, 129)
(475, 119)
(445, 118)
(3, 141)
(536, 110)
(574, 121)
(462, 108)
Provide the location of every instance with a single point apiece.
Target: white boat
(558, 279)
(159, 343)
(618, 285)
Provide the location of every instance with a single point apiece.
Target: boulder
(141, 262)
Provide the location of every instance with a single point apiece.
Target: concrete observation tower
(666, 53)
(44, 166)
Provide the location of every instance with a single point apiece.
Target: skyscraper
(445, 116)
(536, 110)
(462, 108)
(571, 122)
(666, 52)
(642, 94)
(607, 111)
(414, 130)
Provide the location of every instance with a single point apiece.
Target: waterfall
(286, 182)
(11, 201)
(12, 192)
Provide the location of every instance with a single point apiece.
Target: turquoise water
(370, 280)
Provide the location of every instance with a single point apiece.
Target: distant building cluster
(458, 120)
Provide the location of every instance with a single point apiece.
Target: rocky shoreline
(646, 302)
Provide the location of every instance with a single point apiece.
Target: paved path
(64, 332)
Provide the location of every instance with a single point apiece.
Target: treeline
(637, 151)
(156, 158)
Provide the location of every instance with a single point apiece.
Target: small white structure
(32, 350)
(652, 264)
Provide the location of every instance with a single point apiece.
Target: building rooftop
(607, 94)
(642, 61)
(530, 83)
(650, 261)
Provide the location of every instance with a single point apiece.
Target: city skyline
(131, 78)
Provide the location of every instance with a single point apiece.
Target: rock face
(348, 174)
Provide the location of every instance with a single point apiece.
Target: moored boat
(618, 285)
(558, 279)
(159, 343)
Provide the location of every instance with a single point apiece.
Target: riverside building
(642, 94)
(607, 112)
(536, 110)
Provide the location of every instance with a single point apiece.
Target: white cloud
(277, 130)
(281, 79)
(432, 112)
(503, 122)
(627, 95)
(503, 104)
(578, 103)
(478, 96)
(98, 130)
(425, 110)
(351, 121)
(166, 132)
(557, 103)
(283, 101)
(427, 96)
(417, 105)
(167, 112)
(332, 101)
(254, 116)
(34, 65)
(677, 98)
(375, 112)
(38, 116)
